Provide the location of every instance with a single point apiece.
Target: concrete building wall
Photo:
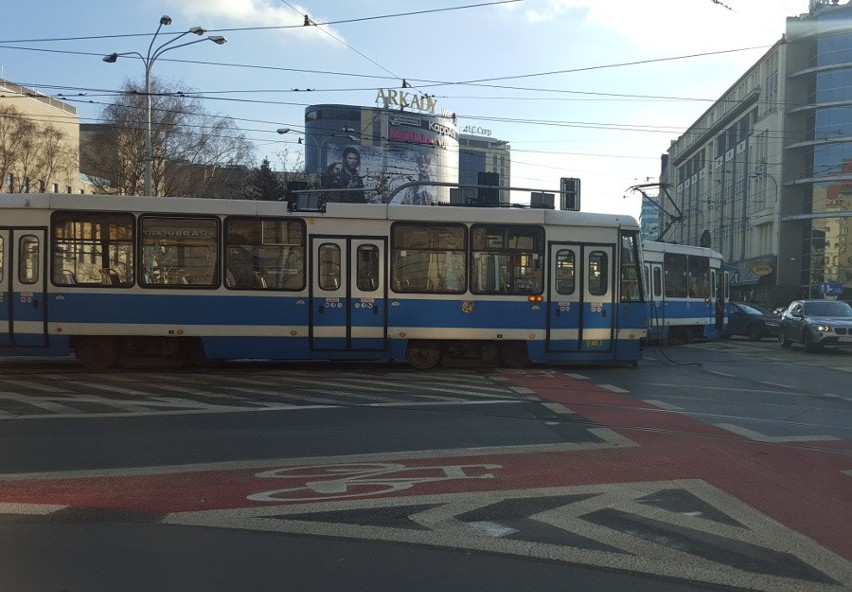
(46, 111)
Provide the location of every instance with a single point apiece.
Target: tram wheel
(514, 354)
(195, 354)
(97, 353)
(423, 354)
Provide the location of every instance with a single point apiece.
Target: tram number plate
(593, 342)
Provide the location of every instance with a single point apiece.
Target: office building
(765, 174)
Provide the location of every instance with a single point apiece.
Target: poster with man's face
(380, 170)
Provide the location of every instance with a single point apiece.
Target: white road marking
(758, 437)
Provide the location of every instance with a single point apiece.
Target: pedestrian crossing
(163, 393)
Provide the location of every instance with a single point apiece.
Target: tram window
(429, 258)
(699, 277)
(92, 249)
(598, 273)
(566, 272)
(179, 252)
(264, 254)
(2, 259)
(329, 266)
(507, 259)
(28, 259)
(658, 282)
(367, 271)
(676, 275)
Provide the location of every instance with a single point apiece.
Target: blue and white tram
(110, 278)
(687, 291)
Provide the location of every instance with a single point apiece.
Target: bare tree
(195, 154)
(32, 153)
(292, 165)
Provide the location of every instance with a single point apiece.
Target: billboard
(385, 150)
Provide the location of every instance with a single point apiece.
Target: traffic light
(570, 189)
(488, 197)
(293, 198)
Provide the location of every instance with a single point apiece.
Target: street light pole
(148, 60)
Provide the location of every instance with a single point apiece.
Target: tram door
(581, 310)
(348, 293)
(657, 300)
(23, 311)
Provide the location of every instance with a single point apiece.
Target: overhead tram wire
(207, 95)
(277, 27)
(568, 125)
(309, 22)
(433, 83)
(606, 66)
(553, 123)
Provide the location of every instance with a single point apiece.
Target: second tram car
(687, 291)
(110, 278)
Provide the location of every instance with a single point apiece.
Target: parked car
(817, 323)
(752, 321)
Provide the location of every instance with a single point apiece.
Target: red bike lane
(805, 488)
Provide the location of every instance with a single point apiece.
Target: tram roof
(393, 212)
(663, 247)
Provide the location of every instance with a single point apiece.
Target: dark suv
(816, 323)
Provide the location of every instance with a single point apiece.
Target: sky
(593, 89)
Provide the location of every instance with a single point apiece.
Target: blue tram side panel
(109, 278)
(687, 292)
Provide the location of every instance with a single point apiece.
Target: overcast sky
(593, 89)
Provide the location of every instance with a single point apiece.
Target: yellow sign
(762, 269)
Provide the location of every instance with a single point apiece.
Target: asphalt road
(712, 466)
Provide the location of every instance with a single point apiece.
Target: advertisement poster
(417, 149)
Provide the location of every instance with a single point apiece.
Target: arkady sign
(402, 99)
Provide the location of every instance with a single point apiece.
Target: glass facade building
(818, 209)
(765, 175)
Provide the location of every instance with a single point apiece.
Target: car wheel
(808, 342)
(810, 346)
(754, 332)
(782, 337)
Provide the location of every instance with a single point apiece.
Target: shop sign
(762, 269)
(403, 99)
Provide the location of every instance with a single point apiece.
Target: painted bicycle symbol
(326, 482)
